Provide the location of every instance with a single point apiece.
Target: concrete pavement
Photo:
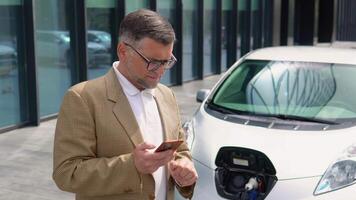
(26, 154)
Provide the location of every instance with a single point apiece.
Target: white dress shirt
(147, 115)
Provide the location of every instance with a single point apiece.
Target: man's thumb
(146, 145)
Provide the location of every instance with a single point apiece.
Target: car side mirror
(202, 94)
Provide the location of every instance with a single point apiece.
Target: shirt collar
(127, 86)
(149, 91)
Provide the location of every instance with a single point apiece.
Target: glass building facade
(13, 97)
(46, 46)
(167, 8)
(209, 38)
(190, 39)
(52, 44)
(227, 32)
(100, 31)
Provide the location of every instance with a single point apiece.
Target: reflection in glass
(99, 49)
(133, 5)
(10, 81)
(256, 13)
(190, 68)
(209, 37)
(314, 90)
(227, 19)
(166, 8)
(244, 17)
(54, 46)
(295, 87)
(53, 54)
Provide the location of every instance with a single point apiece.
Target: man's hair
(146, 23)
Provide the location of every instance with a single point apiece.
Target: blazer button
(151, 196)
(128, 190)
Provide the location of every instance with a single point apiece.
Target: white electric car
(279, 125)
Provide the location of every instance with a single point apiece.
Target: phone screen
(174, 144)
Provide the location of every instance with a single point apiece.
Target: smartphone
(172, 144)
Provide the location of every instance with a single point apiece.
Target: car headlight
(188, 128)
(340, 174)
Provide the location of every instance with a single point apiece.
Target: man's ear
(121, 51)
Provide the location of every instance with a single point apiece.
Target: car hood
(294, 154)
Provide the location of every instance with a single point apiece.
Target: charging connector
(251, 184)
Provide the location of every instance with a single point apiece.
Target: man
(108, 128)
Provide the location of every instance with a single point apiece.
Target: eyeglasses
(153, 65)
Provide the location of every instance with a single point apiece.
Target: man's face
(136, 66)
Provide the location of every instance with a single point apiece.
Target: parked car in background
(280, 124)
(100, 37)
(8, 59)
(53, 47)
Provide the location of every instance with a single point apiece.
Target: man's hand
(183, 172)
(147, 161)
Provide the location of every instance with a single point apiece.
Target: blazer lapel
(167, 125)
(122, 109)
(162, 112)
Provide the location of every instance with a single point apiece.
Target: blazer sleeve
(76, 168)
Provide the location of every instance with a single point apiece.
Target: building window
(132, 5)
(226, 25)
(209, 43)
(190, 33)
(166, 8)
(13, 102)
(53, 54)
(100, 27)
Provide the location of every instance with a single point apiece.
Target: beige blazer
(95, 134)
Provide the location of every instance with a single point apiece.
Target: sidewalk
(26, 154)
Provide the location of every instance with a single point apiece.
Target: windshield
(282, 88)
